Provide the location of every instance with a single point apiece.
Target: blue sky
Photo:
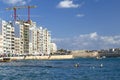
(74, 24)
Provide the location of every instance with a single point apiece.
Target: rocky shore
(84, 54)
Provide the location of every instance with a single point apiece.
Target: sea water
(87, 69)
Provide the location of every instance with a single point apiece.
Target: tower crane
(15, 8)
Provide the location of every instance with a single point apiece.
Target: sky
(74, 24)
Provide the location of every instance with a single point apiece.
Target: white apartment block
(8, 37)
(46, 41)
(41, 39)
(1, 44)
(31, 39)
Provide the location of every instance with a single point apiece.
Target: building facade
(17, 45)
(30, 48)
(41, 39)
(1, 44)
(53, 48)
(31, 39)
(8, 37)
(24, 37)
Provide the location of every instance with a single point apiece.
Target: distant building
(53, 48)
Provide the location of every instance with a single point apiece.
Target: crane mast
(15, 8)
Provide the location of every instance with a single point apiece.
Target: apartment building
(30, 48)
(46, 41)
(31, 39)
(17, 45)
(8, 37)
(41, 39)
(24, 37)
(1, 44)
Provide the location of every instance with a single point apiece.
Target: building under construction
(24, 37)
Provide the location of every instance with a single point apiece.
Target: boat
(5, 59)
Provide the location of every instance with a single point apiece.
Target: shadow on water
(35, 63)
(50, 64)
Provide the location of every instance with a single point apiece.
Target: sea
(86, 69)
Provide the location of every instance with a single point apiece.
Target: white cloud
(80, 15)
(67, 4)
(89, 41)
(94, 35)
(16, 2)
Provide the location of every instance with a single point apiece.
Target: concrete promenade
(53, 57)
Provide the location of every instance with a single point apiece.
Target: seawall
(53, 57)
(84, 54)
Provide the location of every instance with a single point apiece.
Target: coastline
(77, 54)
(61, 57)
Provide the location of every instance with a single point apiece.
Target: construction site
(24, 37)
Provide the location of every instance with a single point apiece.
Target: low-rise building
(53, 48)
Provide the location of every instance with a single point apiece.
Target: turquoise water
(89, 69)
